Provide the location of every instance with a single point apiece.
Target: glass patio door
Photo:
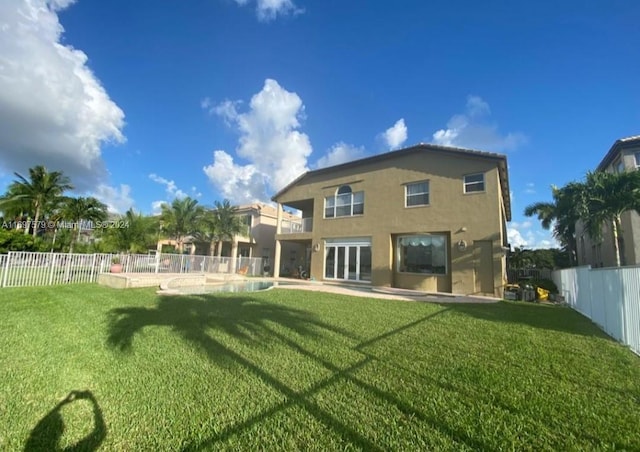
(349, 261)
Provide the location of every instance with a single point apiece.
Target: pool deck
(169, 284)
(388, 293)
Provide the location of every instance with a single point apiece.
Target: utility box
(511, 292)
(528, 294)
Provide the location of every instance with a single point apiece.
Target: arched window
(344, 203)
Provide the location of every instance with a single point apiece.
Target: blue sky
(142, 101)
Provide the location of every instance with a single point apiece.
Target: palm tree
(79, 209)
(131, 232)
(228, 222)
(181, 219)
(609, 195)
(13, 206)
(210, 230)
(562, 213)
(35, 193)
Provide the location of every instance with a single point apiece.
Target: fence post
(53, 266)
(6, 270)
(94, 270)
(66, 269)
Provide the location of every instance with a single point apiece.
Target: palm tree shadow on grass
(193, 316)
(246, 318)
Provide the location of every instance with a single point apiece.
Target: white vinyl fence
(610, 297)
(22, 269)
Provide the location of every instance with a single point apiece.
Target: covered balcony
(289, 223)
(296, 226)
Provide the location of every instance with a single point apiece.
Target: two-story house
(430, 218)
(624, 155)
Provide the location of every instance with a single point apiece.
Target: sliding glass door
(348, 260)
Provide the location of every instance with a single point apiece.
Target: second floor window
(417, 194)
(474, 183)
(344, 203)
(637, 156)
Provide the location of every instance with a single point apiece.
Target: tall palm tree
(609, 195)
(41, 188)
(181, 219)
(562, 213)
(81, 209)
(228, 222)
(210, 230)
(131, 232)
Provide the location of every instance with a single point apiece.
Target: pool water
(243, 286)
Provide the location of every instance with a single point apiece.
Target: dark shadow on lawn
(547, 317)
(46, 435)
(242, 317)
(247, 318)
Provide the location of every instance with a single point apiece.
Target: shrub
(16, 240)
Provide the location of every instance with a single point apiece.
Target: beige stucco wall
(385, 216)
(602, 253)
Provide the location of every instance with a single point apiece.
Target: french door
(348, 260)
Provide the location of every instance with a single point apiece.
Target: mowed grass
(288, 370)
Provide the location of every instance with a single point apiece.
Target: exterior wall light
(462, 246)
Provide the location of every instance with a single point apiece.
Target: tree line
(39, 215)
(599, 200)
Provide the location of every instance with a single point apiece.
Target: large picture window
(474, 183)
(344, 203)
(417, 194)
(422, 254)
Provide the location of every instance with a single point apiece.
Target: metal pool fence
(22, 269)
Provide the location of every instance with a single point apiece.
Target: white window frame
(473, 183)
(352, 203)
(421, 237)
(358, 243)
(407, 195)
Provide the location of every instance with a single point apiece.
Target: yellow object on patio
(543, 294)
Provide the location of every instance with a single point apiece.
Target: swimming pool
(241, 286)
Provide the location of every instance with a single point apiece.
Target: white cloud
(396, 135)
(471, 129)
(156, 207)
(53, 109)
(276, 151)
(195, 192)
(515, 238)
(526, 235)
(239, 183)
(530, 188)
(170, 186)
(340, 153)
(526, 224)
(268, 10)
(117, 199)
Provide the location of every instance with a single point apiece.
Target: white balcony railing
(296, 226)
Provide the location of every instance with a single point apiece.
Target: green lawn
(302, 370)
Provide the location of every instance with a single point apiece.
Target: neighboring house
(261, 220)
(428, 217)
(624, 155)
